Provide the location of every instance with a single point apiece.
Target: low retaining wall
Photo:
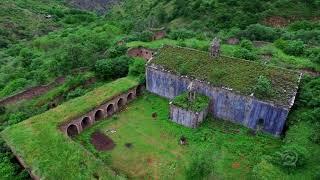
(187, 118)
(141, 52)
(31, 92)
(224, 103)
(77, 125)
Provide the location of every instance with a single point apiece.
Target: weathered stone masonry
(224, 103)
(77, 125)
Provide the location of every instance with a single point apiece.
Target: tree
(112, 68)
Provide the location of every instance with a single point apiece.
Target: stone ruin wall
(224, 103)
(186, 117)
(141, 52)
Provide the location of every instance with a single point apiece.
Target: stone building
(228, 82)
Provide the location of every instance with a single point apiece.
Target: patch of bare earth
(102, 142)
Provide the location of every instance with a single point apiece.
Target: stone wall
(186, 117)
(77, 125)
(141, 52)
(224, 103)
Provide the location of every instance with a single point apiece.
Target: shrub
(75, 93)
(314, 54)
(310, 93)
(295, 48)
(13, 86)
(266, 170)
(201, 166)
(260, 32)
(117, 51)
(138, 69)
(247, 44)
(112, 68)
(263, 87)
(181, 34)
(281, 43)
(291, 157)
(305, 25)
(245, 54)
(145, 36)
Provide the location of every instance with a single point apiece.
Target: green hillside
(78, 40)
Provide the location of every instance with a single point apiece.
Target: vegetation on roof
(50, 153)
(240, 75)
(198, 104)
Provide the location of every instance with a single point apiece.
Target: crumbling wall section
(224, 103)
(141, 52)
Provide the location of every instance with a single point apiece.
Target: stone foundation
(186, 117)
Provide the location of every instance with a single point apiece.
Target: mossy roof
(51, 154)
(233, 73)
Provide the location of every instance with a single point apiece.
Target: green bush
(75, 93)
(145, 36)
(260, 33)
(309, 94)
(13, 86)
(112, 68)
(263, 87)
(247, 44)
(291, 157)
(201, 166)
(266, 170)
(245, 54)
(295, 48)
(117, 51)
(181, 34)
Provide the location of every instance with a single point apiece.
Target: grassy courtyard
(155, 151)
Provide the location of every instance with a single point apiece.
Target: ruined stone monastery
(172, 69)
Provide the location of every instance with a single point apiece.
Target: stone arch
(98, 115)
(72, 130)
(120, 103)
(110, 109)
(85, 122)
(139, 90)
(130, 97)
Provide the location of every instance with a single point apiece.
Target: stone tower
(191, 92)
(215, 48)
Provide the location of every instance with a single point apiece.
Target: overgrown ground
(156, 153)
